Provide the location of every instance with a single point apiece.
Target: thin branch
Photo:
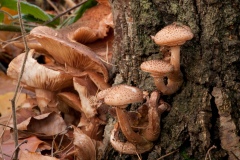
(168, 154)
(13, 101)
(17, 147)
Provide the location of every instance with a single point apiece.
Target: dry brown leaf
(5, 103)
(33, 143)
(48, 124)
(6, 83)
(27, 110)
(26, 155)
(94, 24)
(85, 146)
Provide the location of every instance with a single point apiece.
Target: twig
(13, 100)
(53, 141)
(167, 154)
(17, 148)
(1, 136)
(208, 152)
(5, 126)
(61, 14)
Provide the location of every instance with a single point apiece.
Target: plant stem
(13, 101)
(12, 28)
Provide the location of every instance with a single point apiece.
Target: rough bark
(209, 99)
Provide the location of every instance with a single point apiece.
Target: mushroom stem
(175, 57)
(160, 84)
(127, 147)
(152, 131)
(174, 82)
(127, 130)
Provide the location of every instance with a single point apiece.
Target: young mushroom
(160, 69)
(173, 36)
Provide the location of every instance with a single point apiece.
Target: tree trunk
(205, 111)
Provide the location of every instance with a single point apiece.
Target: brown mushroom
(127, 147)
(160, 69)
(174, 35)
(152, 131)
(68, 53)
(120, 96)
(45, 81)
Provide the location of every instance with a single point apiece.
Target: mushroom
(120, 96)
(160, 69)
(173, 35)
(69, 53)
(152, 131)
(127, 147)
(45, 81)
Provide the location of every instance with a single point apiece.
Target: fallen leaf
(85, 146)
(5, 103)
(48, 124)
(33, 143)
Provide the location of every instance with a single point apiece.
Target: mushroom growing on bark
(160, 69)
(119, 97)
(173, 36)
(137, 142)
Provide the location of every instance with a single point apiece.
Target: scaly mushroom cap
(72, 54)
(122, 95)
(173, 35)
(157, 67)
(37, 75)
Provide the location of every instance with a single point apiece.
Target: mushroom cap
(173, 35)
(157, 67)
(70, 53)
(37, 75)
(122, 95)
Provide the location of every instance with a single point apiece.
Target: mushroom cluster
(140, 128)
(171, 38)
